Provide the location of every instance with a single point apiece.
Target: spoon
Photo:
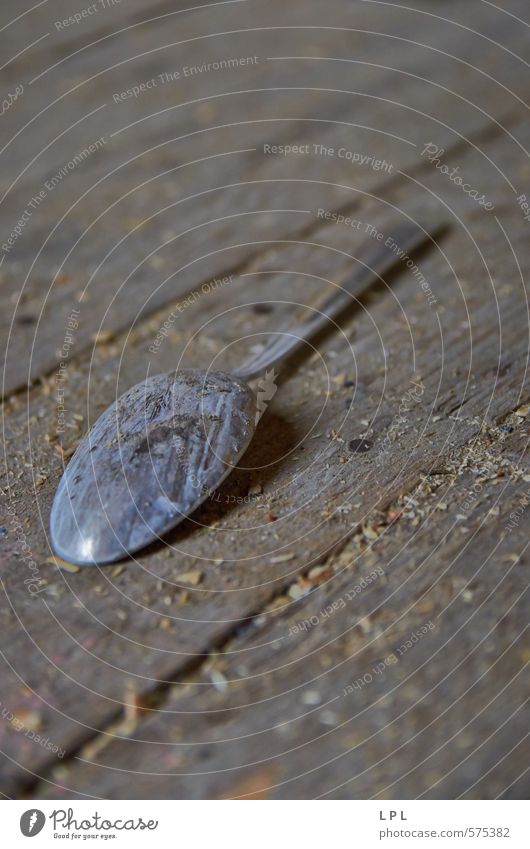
(165, 445)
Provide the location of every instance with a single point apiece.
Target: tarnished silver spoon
(157, 453)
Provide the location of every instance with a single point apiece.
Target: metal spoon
(157, 453)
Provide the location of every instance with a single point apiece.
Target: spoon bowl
(151, 459)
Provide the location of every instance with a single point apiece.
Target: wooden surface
(249, 656)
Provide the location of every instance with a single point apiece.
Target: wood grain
(397, 444)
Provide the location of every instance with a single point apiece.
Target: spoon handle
(375, 262)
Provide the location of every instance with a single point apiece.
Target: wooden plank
(125, 234)
(209, 615)
(328, 696)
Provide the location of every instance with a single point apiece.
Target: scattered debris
(102, 337)
(295, 592)
(365, 626)
(318, 574)
(311, 697)
(63, 564)
(254, 786)
(31, 720)
(360, 446)
(194, 577)
(218, 680)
